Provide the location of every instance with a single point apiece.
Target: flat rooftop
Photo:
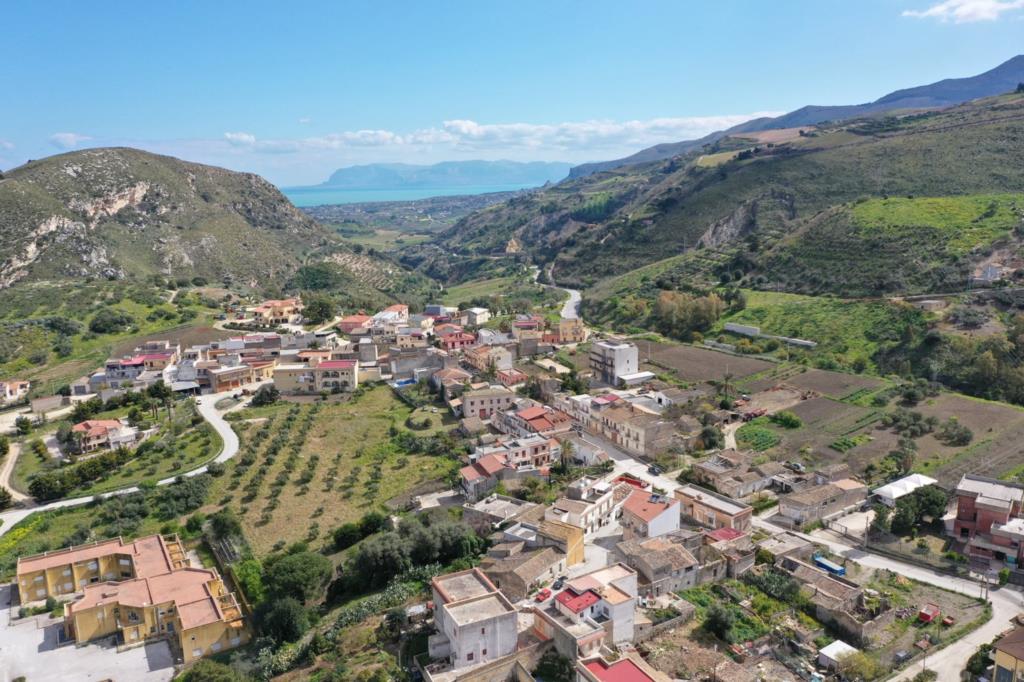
(710, 499)
(456, 587)
(501, 506)
(482, 608)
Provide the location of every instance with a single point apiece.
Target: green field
(480, 288)
(964, 222)
(851, 332)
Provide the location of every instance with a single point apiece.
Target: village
(677, 552)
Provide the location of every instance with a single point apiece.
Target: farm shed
(890, 492)
(830, 656)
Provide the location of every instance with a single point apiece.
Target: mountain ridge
(942, 93)
(445, 174)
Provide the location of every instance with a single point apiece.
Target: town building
(733, 474)
(648, 515)
(13, 391)
(529, 452)
(457, 341)
(351, 323)
(139, 591)
(635, 430)
(988, 524)
(488, 358)
(476, 317)
(671, 562)
(535, 419)
(517, 571)
(487, 402)
(611, 360)
(274, 313)
(589, 504)
(712, 510)
(511, 377)
(628, 668)
(475, 622)
(490, 512)
(102, 434)
(889, 493)
(571, 330)
(333, 376)
(1008, 652)
(819, 502)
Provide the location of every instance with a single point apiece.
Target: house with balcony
(612, 360)
(138, 591)
(536, 419)
(485, 403)
(589, 503)
(988, 525)
(332, 376)
(675, 561)
(712, 510)
(475, 623)
(274, 313)
(102, 434)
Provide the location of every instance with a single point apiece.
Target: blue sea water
(315, 196)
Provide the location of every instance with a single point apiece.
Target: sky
(296, 90)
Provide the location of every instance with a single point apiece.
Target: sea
(316, 196)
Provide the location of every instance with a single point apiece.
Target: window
(93, 565)
(67, 571)
(41, 592)
(483, 631)
(125, 562)
(68, 587)
(484, 652)
(134, 635)
(469, 657)
(235, 641)
(38, 579)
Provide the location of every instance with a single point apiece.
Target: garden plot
(699, 364)
(834, 384)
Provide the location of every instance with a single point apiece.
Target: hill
(787, 214)
(446, 175)
(117, 212)
(944, 93)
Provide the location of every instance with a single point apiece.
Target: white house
(648, 515)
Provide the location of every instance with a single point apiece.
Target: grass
(481, 288)
(964, 222)
(850, 332)
(354, 463)
(383, 239)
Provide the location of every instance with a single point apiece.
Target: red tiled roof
(337, 364)
(648, 506)
(96, 427)
(532, 413)
(623, 670)
(577, 602)
(720, 534)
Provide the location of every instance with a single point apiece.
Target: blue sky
(293, 91)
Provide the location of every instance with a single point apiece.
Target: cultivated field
(699, 364)
(333, 462)
(834, 384)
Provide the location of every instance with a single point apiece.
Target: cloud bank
(68, 140)
(967, 11)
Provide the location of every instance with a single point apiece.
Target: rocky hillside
(777, 209)
(117, 212)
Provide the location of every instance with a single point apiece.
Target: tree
(5, 498)
(224, 524)
(905, 517)
(346, 535)
(110, 321)
(379, 559)
(373, 522)
(5, 446)
(860, 666)
(266, 394)
(23, 425)
(711, 438)
(880, 522)
(285, 620)
(931, 501)
(1020, 88)
(318, 309)
(719, 621)
(302, 575)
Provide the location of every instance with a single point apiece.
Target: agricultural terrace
(848, 333)
(332, 462)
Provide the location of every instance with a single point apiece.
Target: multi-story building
(486, 402)
(485, 358)
(536, 419)
(106, 434)
(476, 317)
(611, 360)
(492, 511)
(607, 595)
(671, 562)
(988, 523)
(531, 451)
(589, 504)
(636, 431)
(1008, 652)
(351, 323)
(332, 376)
(571, 330)
(139, 590)
(475, 622)
(517, 571)
(733, 473)
(629, 668)
(711, 510)
(648, 515)
(457, 341)
(277, 312)
(511, 377)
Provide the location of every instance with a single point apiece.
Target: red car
(542, 595)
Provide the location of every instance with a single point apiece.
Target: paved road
(210, 413)
(8, 469)
(571, 308)
(1006, 601)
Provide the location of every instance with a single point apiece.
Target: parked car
(558, 584)
(655, 470)
(542, 595)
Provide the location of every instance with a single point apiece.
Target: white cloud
(468, 135)
(966, 11)
(240, 139)
(68, 140)
(5, 145)
(305, 119)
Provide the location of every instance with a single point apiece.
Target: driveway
(29, 649)
(210, 413)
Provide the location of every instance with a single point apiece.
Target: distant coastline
(318, 196)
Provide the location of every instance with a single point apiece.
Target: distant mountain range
(944, 93)
(447, 175)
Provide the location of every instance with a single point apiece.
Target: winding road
(207, 408)
(571, 308)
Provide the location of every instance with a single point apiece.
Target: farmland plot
(699, 364)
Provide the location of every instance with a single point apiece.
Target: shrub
(110, 321)
(786, 419)
(285, 620)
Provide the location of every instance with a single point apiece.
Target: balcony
(175, 551)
